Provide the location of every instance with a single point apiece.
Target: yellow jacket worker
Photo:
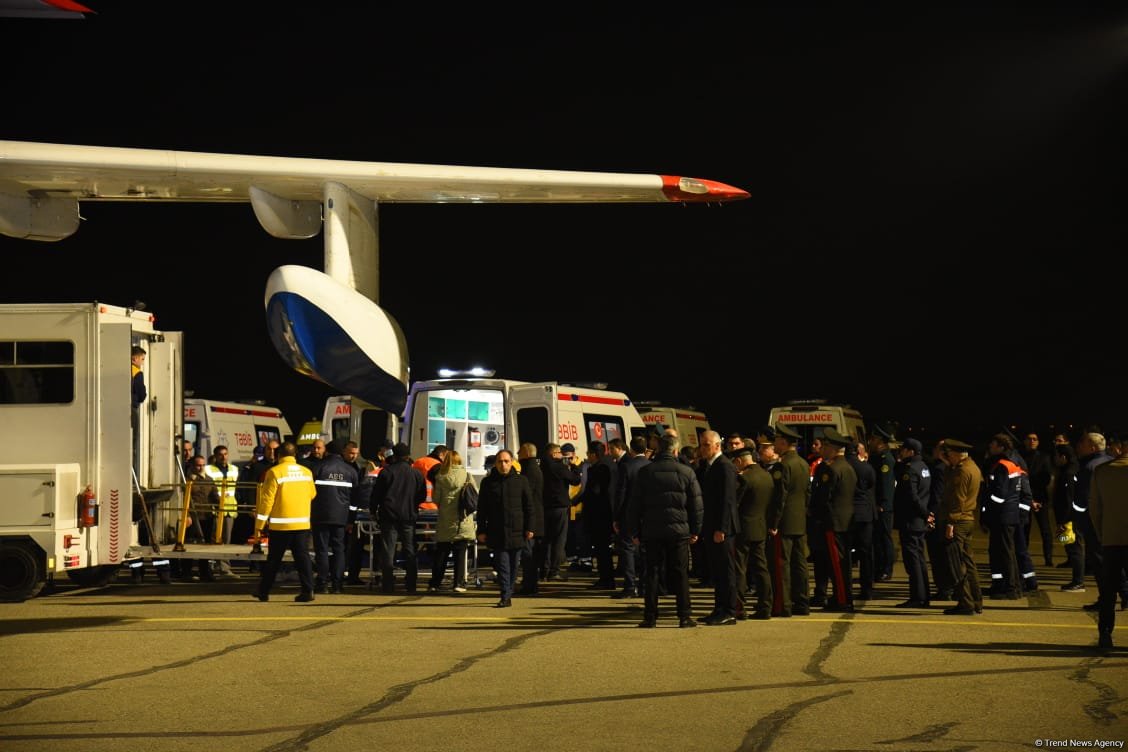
(287, 492)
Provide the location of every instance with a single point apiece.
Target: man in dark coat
(628, 464)
(664, 515)
(720, 487)
(396, 496)
(531, 469)
(597, 515)
(505, 516)
(559, 476)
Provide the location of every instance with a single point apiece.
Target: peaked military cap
(957, 446)
(833, 437)
(787, 432)
(878, 430)
(741, 452)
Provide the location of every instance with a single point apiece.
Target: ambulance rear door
(165, 411)
(531, 414)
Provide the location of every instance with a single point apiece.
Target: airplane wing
(42, 9)
(327, 326)
(111, 173)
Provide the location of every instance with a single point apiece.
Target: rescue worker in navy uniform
(832, 507)
(910, 515)
(664, 517)
(934, 538)
(999, 516)
(284, 504)
(396, 496)
(720, 486)
(1027, 576)
(788, 527)
(338, 490)
(884, 466)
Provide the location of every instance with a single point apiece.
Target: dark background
(936, 233)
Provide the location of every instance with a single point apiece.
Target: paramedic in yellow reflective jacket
(284, 504)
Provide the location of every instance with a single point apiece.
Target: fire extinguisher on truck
(87, 508)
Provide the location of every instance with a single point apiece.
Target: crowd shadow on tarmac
(29, 626)
(1015, 649)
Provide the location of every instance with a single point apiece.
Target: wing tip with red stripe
(698, 189)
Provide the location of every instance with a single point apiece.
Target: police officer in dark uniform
(910, 514)
(788, 527)
(832, 507)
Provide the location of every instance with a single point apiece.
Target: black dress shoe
(1094, 606)
(818, 601)
(911, 604)
(687, 623)
(801, 610)
(504, 603)
(959, 611)
(303, 597)
(883, 577)
(264, 597)
(626, 594)
(648, 623)
(721, 621)
(762, 615)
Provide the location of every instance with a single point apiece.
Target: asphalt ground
(204, 666)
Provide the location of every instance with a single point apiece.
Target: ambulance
(75, 457)
(811, 418)
(307, 434)
(239, 426)
(687, 421)
(480, 416)
(349, 418)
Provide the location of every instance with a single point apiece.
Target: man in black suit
(720, 485)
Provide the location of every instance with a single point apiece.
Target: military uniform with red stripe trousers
(790, 573)
(832, 508)
(284, 503)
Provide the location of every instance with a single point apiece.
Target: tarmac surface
(204, 666)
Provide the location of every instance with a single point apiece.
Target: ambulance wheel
(93, 576)
(22, 571)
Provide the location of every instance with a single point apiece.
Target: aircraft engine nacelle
(332, 333)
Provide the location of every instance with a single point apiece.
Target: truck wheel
(22, 571)
(93, 576)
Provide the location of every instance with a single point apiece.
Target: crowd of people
(774, 533)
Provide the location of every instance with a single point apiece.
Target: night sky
(936, 234)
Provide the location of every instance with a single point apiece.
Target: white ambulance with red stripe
(480, 416)
(689, 422)
(810, 418)
(239, 426)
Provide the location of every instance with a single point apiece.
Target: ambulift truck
(75, 485)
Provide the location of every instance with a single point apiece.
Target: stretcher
(368, 529)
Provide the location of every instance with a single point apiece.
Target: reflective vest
(225, 485)
(286, 497)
